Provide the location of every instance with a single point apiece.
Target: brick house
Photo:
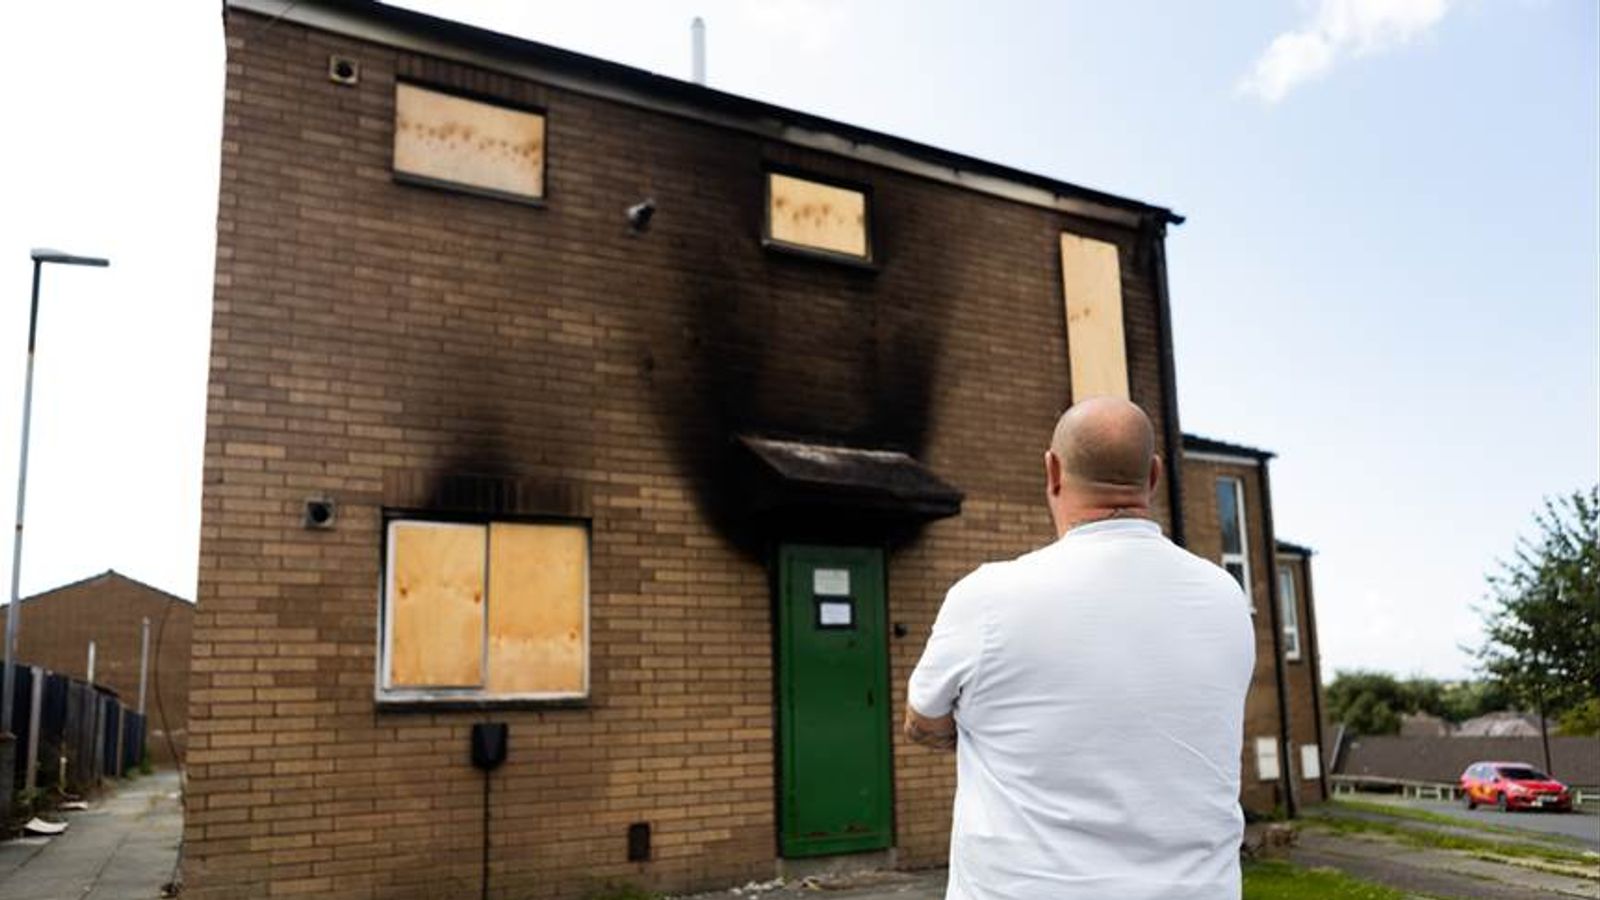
(1228, 508)
(111, 611)
(647, 420)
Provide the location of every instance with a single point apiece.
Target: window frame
(460, 187)
(446, 698)
(1289, 603)
(1242, 558)
(868, 262)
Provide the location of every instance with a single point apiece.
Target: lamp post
(40, 257)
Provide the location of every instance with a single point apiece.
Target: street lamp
(40, 257)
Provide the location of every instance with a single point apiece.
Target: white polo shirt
(1098, 686)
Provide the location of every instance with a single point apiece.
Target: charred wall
(402, 347)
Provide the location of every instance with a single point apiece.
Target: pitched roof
(107, 574)
(1575, 760)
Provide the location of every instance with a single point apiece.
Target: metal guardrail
(1344, 785)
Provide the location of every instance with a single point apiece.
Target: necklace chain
(1116, 512)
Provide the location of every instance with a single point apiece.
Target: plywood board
(819, 216)
(436, 604)
(538, 586)
(448, 138)
(1091, 280)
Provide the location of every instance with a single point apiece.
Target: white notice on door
(830, 582)
(835, 614)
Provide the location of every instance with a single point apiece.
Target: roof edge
(1199, 444)
(581, 73)
(109, 573)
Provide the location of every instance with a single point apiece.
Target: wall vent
(343, 70)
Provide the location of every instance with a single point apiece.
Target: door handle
(869, 696)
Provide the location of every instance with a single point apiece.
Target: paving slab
(123, 847)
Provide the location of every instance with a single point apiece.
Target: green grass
(1421, 815)
(1277, 880)
(1439, 840)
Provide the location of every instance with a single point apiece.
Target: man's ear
(1052, 473)
(1155, 471)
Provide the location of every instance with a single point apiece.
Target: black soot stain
(802, 349)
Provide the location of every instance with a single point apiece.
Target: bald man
(1093, 692)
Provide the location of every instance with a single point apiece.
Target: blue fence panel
(132, 741)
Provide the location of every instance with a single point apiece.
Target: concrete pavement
(123, 847)
(1436, 873)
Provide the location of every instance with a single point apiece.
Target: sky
(1389, 276)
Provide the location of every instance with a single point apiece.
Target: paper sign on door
(830, 582)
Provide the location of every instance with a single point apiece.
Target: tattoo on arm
(935, 734)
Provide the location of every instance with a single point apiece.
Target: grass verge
(1424, 815)
(1439, 840)
(1277, 880)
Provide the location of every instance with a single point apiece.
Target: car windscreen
(1522, 773)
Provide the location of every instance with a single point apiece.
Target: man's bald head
(1106, 443)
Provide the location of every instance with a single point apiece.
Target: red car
(1513, 785)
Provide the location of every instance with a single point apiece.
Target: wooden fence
(70, 734)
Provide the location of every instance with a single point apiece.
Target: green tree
(1542, 624)
(1366, 702)
(1463, 700)
(1583, 719)
(1372, 702)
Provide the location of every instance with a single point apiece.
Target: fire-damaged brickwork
(388, 346)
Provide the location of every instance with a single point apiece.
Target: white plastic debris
(37, 825)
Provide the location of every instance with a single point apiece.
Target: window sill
(840, 259)
(456, 187)
(466, 704)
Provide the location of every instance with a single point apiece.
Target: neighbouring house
(1503, 724)
(648, 421)
(1228, 510)
(1422, 724)
(107, 617)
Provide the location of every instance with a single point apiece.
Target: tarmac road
(1581, 825)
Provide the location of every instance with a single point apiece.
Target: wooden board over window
(447, 139)
(485, 611)
(436, 604)
(538, 582)
(816, 216)
(1091, 277)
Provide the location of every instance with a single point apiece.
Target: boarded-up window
(447, 140)
(811, 215)
(486, 611)
(436, 605)
(1091, 279)
(537, 581)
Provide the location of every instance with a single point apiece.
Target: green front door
(833, 700)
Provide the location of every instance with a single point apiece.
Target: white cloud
(1339, 29)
